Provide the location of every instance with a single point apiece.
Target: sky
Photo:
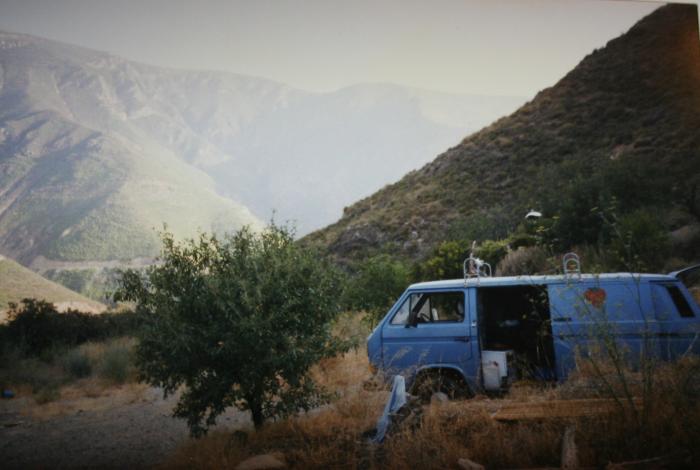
(491, 47)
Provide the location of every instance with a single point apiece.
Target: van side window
(434, 307)
(680, 302)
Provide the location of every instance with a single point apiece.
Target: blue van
(480, 333)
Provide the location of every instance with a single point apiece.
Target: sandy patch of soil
(124, 427)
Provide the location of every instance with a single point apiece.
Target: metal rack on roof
(571, 264)
(474, 267)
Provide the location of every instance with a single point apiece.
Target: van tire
(447, 381)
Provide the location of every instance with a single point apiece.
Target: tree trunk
(256, 412)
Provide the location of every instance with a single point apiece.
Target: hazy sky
(498, 47)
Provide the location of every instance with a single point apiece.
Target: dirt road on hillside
(121, 429)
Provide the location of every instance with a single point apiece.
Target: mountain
(621, 128)
(18, 282)
(96, 150)
(79, 178)
(318, 153)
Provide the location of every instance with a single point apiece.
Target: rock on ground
(261, 462)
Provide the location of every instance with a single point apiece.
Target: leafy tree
(446, 261)
(376, 285)
(236, 321)
(492, 251)
(640, 242)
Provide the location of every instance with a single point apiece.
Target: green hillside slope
(621, 129)
(18, 282)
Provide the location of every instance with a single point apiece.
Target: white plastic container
(494, 368)
(492, 377)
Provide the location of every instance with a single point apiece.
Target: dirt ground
(126, 427)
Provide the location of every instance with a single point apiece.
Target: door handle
(463, 339)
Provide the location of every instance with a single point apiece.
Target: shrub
(37, 374)
(115, 363)
(77, 364)
(524, 261)
(375, 286)
(492, 224)
(236, 322)
(640, 243)
(446, 261)
(37, 327)
(492, 251)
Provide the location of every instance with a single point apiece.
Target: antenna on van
(475, 267)
(571, 264)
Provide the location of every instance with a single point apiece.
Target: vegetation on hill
(71, 193)
(18, 282)
(93, 282)
(614, 144)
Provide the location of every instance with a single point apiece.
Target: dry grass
(87, 395)
(695, 291)
(335, 436)
(343, 374)
(91, 370)
(18, 282)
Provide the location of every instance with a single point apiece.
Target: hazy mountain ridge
(636, 102)
(96, 150)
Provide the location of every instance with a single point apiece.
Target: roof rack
(571, 264)
(475, 267)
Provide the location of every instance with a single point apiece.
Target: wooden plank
(559, 409)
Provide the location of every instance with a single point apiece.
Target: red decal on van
(595, 296)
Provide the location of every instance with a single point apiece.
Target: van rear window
(680, 302)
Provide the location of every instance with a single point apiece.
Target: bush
(77, 364)
(492, 251)
(640, 242)
(236, 322)
(37, 374)
(492, 224)
(375, 286)
(115, 363)
(524, 261)
(446, 262)
(37, 327)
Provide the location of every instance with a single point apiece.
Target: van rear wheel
(448, 382)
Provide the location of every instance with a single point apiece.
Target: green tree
(376, 285)
(445, 262)
(492, 251)
(640, 242)
(236, 321)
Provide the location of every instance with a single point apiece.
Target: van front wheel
(446, 381)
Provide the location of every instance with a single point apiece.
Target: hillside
(75, 182)
(18, 282)
(620, 129)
